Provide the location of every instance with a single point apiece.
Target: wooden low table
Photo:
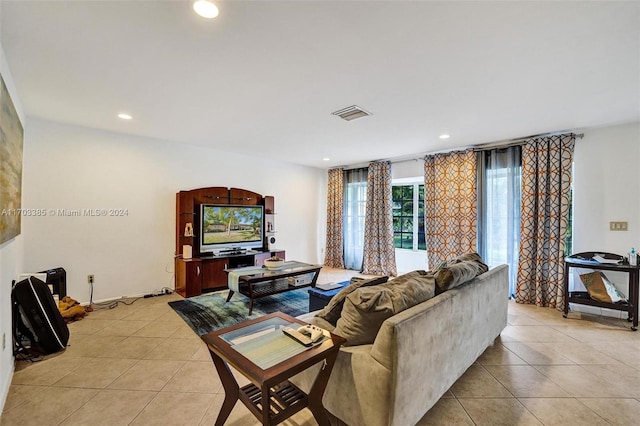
(263, 282)
(261, 352)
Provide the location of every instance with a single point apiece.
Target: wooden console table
(270, 396)
(584, 260)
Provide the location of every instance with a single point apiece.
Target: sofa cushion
(367, 308)
(331, 312)
(458, 271)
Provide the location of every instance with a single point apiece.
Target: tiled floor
(142, 365)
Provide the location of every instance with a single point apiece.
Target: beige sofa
(416, 356)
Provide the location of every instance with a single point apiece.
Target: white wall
(11, 260)
(607, 188)
(69, 167)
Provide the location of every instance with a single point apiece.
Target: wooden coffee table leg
(317, 390)
(231, 388)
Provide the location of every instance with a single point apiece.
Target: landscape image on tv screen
(231, 224)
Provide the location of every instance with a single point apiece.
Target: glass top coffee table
(260, 351)
(260, 282)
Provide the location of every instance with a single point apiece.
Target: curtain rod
(480, 147)
(486, 146)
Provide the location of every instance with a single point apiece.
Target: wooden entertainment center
(204, 271)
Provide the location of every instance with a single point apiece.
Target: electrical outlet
(618, 226)
(90, 279)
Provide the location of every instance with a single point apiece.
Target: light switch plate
(617, 226)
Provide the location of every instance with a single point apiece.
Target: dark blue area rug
(209, 312)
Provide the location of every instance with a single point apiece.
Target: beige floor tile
(240, 415)
(179, 349)
(498, 412)
(525, 381)
(195, 376)
(514, 319)
(588, 333)
(122, 328)
(46, 372)
(91, 345)
(19, 394)
(622, 377)
(620, 412)
(50, 406)
(147, 313)
(536, 353)
(175, 408)
(580, 382)
(581, 353)
(97, 373)
(157, 329)
(202, 354)
(625, 352)
(132, 347)
(87, 326)
(533, 333)
(477, 382)
(121, 311)
(446, 412)
(185, 332)
(111, 408)
(562, 412)
(498, 354)
(147, 374)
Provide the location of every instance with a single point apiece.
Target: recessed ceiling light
(445, 136)
(326, 159)
(205, 8)
(125, 116)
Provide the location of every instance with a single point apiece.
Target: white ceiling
(263, 78)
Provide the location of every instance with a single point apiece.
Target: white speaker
(271, 242)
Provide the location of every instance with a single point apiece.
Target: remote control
(297, 335)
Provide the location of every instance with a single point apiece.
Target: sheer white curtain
(355, 202)
(499, 199)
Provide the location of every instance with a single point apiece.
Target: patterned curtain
(450, 205)
(379, 252)
(546, 184)
(333, 254)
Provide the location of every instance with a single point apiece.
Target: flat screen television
(230, 227)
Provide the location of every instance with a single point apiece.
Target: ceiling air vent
(351, 113)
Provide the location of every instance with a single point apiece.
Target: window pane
(407, 241)
(397, 224)
(407, 225)
(407, 208)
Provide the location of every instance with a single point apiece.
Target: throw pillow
(367, 308)
(600, 288)
(331, 312)
(458, 271)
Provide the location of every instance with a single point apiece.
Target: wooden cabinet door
(213, 274)
(188, 277)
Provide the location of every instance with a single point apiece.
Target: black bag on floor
(36, 316)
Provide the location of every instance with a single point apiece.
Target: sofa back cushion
(332, 311)
(367, 308)
(458, 271)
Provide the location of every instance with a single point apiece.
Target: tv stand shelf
(205, 271)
